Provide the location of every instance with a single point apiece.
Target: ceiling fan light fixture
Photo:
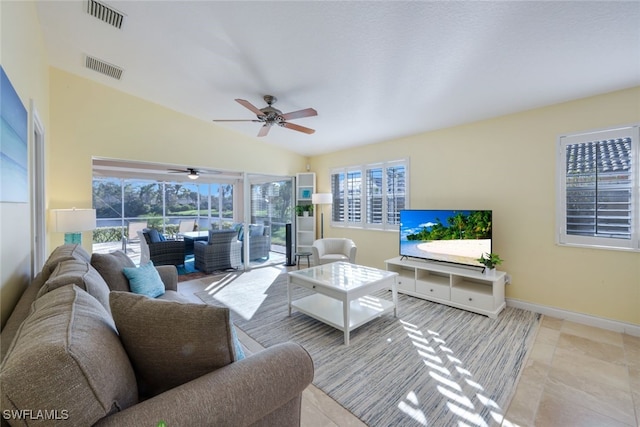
(193, 175)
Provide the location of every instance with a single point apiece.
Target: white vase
(489, 271)
(305, 213)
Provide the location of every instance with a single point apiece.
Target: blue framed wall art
(14, 181)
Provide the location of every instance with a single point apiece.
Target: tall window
(598, 194)
(160, 204)
(369, 196)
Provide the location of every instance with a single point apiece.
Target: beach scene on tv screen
(446, 235)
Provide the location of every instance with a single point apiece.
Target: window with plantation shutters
(599, 195)
(369, 196)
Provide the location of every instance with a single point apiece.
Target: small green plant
(301, 209)
(490, 261)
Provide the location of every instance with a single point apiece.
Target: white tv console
(460, 287)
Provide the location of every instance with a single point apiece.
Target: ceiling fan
(270, 116)
(192, 173)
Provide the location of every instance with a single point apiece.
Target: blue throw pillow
(144, 280)
(236, 344)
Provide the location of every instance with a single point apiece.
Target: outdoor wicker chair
(163, 252)
(221, 252)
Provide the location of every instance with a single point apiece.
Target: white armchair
(325, 251)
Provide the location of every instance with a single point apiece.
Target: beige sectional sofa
(80, 349)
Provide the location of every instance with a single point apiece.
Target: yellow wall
(91, 120)
(508, 164)
(23, 58)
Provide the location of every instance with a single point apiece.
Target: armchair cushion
(154, 235)
(256, 230)
(145, 280)
(170, 343)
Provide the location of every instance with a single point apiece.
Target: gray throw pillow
(170, 343)
(67, 357)
(110, 267)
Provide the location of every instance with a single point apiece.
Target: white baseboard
(585, 319)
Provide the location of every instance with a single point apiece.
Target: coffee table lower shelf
(330, 311)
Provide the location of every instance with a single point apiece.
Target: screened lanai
(129, 196)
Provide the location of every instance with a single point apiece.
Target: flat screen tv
(455, 236)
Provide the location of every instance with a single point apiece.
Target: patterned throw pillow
(171, 343)
(145, 280)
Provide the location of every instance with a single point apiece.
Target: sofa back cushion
(170, 343)
(81, 274)
(110, 266)
(67, 357)
(63, 253)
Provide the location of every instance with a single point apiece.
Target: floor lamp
(321, 199)
(72, 222)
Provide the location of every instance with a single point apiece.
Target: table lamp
(322, 199)
(72, 222)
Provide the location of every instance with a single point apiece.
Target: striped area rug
(433, 365)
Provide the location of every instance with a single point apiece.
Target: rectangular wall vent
(103, 67)
(105, 13)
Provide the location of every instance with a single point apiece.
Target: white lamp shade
(322, 198)
(72, 220)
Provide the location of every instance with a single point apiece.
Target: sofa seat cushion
(67, 357)
(110, 267)
(63, 253)
(170, 343)
(173, 296)
(81, 274)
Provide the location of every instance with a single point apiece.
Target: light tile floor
(575, 375)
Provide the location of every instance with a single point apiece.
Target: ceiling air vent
(105, 13)
(103, 67)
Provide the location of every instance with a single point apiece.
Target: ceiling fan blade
(239, 120)
(250, 106)
(177, 170)
(297, 127)
(307, 112)
(264, 130)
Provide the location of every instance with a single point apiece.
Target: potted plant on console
(490, 261)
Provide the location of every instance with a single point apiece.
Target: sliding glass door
(272, 206)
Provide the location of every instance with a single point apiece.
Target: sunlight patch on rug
(432, 365)
(249, 287)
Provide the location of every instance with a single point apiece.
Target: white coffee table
(342, 294)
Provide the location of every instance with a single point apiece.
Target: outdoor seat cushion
(170, 343)
(67, 357)
(81, 274)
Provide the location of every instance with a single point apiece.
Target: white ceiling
(374, 71)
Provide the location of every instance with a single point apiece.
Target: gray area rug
(432, 366)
